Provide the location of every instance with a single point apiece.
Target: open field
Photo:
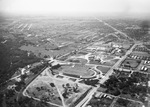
(77, 60)
(75, 31)
(134, 28)
(107, 63)
(44, 91)
(103, 69)
(130, 63)
(70, 91)
(76, 69)
(43, 88)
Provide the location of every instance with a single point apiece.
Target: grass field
(126, 46)
(44, 90)
(77, 60)
(76, 69)
(73, 96)
(104, 70)
(82, 52)
(108, 63)
(41, 51)
(108, 58)
(133, 63)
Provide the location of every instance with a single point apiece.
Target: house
(127, 65)
(143, 68)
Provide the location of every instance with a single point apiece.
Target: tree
(122, 102)
(76, 88)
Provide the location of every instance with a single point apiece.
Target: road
(115, 29)
(31, 83)
(28, 84)
(119, 61)
(29, 26)
(116, 65)
(20, 26)
(89, 96)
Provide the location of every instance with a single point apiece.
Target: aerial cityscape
(74, 61)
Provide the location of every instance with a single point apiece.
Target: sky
(75, 6)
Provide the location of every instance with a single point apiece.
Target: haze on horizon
(69, 7)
